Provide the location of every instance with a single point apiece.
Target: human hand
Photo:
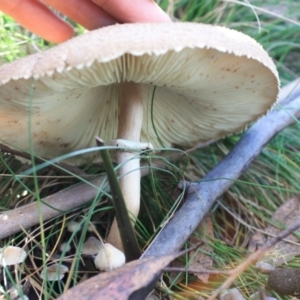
(38, 18)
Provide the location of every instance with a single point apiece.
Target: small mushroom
(264, 267)
(163, 84)
(64, 247)
(232, 294)
(54, 272)
(91, 246)
(73, 226)
(109, 258)
(11, 255)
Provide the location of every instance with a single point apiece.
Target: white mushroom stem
(129, 128)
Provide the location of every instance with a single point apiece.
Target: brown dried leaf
(134, 280)
(199, 259)
(286, 215)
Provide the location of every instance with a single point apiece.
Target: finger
(84, 12)
(37, 18)
(128, 11)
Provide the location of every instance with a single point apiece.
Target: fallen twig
(26, 216)
(201, 195)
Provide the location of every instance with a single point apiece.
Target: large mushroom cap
(210, 82)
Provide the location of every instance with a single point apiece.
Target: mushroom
(54, 272)
(106, 256)
(91, 246)
(109, 258)
(73, 226)
(166, 84)
(65, 247)
(11, 255)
